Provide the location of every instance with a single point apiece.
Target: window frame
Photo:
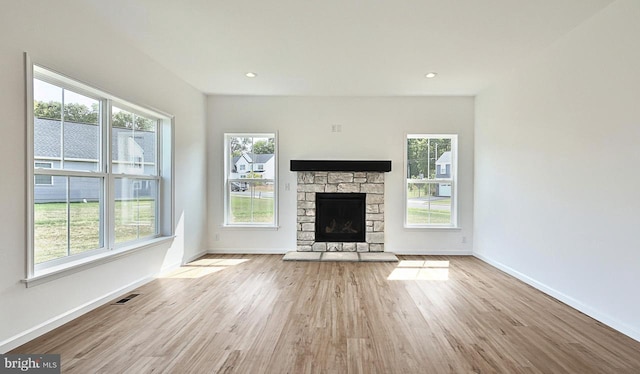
(164, 166)
(241, 179)
(452, 180)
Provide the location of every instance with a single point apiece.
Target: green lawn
(241, 209)
(425, 216)
(133, 219)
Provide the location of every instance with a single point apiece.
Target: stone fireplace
(340, 205)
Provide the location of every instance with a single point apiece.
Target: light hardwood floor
(258, 314)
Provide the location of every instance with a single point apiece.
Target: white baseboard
(170, 267)
(43, 328)
(443, 252)
(576, 304)
(248, 251)
(194, 257)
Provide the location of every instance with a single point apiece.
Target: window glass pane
(251, 202)
(251, 157)
(81, 132)
(80, 121)
(135, 210)
(133, 143)
(417, 158)
(47, 101)
(428, 203)
(440, 156)
(239, 164)
(85, 214)
(47, 134)
(50, 221)
(67, 217)
(425, 156)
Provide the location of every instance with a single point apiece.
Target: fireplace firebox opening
(340, 217)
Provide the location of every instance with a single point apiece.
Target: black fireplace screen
(340, 217)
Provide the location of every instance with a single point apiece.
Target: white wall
(65, 37)
(557, 182)
(372, 128)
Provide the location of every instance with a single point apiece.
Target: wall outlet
(464, 239)
(217, 237)
(287, 186)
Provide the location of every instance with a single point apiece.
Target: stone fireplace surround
(340, 177)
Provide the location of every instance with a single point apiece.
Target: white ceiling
(343, 47)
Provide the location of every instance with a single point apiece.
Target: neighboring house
(260, 164)
(443, 170)
(133, 152)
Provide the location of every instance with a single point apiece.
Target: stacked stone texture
(311, 182)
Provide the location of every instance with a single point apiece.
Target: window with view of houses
(86, 201)
(430, 167)
(250, 180)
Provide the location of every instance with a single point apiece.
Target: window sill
(434, 228)
(244, 227)
(63, 270)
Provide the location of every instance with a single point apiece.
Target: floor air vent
(124, 300)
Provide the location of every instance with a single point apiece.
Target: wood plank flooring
(258, 314)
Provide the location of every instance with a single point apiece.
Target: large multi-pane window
(96, 175)
(250, 179)
(431, 180)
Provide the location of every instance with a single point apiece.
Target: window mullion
(69, 173)
(109, 181)
(158, 168)
(62, 131)
(137, 176)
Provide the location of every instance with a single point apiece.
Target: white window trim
(227, 181)
(453, 179)
(165, 206)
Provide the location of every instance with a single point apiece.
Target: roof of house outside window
(259, 158)
(81, 140)
(445, 158)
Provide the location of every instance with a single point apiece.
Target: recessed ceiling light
(251, 75)
(431, 75)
